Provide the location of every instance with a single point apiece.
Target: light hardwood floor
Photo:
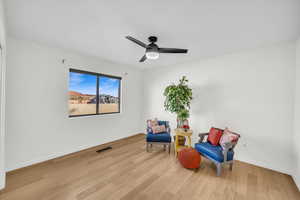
(128, 172)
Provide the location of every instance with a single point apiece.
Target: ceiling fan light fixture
(152, 55)
(152, 50)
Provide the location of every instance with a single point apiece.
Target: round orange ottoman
(189, 158)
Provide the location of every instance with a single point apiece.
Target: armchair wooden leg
(169, 148)
(147, 147)
(164, 147)
(230, 166)
(219, 169)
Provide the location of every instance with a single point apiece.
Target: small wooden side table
(181, 132)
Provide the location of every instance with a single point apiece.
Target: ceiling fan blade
(143, 58)
(172, 50)
(142, 44)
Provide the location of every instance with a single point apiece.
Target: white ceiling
(205, 27)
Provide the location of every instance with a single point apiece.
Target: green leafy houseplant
(178, 99)
(183, 115)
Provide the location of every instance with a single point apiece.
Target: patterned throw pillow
(151, 123)
(228, 136)
(158, 129)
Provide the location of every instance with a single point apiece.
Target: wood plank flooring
(128, 172)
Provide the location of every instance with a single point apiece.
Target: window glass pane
(109, 98)
(82, 93)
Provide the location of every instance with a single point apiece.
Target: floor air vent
(104, 149)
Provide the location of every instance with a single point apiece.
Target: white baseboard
(56, 155)
(42, 159)
(265, 165)
(59, 154)
(2, 181)
(297, 181)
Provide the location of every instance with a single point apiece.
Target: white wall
(250, 92)
(297, 119)
(38, 127)
(2, 93)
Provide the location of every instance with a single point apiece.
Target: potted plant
(178, 99)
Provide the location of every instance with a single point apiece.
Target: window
(93, 94)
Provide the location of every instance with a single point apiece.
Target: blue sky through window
(109, 86)
(83, 83)
(86, 84)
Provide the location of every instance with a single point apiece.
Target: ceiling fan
(152, 50)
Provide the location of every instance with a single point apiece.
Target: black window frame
(98, 75)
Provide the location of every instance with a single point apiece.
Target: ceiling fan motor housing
(152, 51)
(152, 47)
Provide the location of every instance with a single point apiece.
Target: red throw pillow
(214, 136)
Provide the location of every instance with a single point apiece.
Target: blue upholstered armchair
(218, 155)
(159, 138)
